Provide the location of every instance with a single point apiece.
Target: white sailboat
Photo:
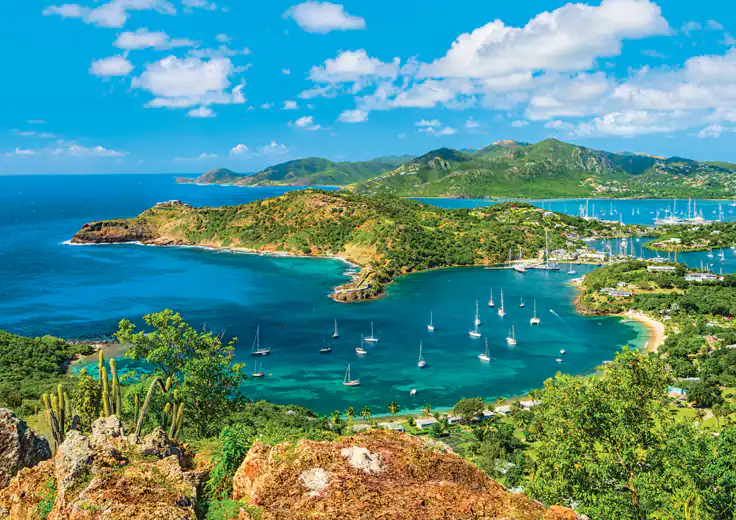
(485, 356)
(259, 372)
(522, 304)
(430, 327)
(477, 316)
(490, 302)
(421, 363)
(361, 349)
(335, 334)
(722, 256)
(501, 311)
(710, 253)
(534, 320)
(257, 350)
(371, 338)
(511, 340)
(571, 271)
(326, 349)
(348, 381)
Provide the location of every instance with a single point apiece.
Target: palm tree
(393, 408)
(427, 409)
(365, 413)
(350, 413)
(700, 414)
(336, 417)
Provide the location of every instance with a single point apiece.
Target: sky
(185, 86)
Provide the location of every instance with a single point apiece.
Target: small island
(386, 237)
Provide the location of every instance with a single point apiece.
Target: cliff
(378, 475)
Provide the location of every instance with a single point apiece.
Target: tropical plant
(365, 413)
(393, 408)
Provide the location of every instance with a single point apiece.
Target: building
(661, 269)
(616, 293)
(702, 277)
(425, 423)
(503, 410)
(528, 404)
(392, 426)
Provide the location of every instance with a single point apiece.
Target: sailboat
(534, 320)
(722, 256)
(485, 356)
(347, 381)
(710, 253)
(335, 334)
(490, 302)
(371, 338)
(477, 316)
(501, 311)
(430, 327)
(474, 333)
(259, 372)
(421, 363)
(571, 271)
(361, 349)
(547, 266)
(326, 349)
(257, 350)
(511, 340)
(522, 304)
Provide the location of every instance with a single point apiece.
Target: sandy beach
(656, 329)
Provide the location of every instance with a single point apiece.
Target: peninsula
(385, 236)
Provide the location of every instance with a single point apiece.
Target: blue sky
(129, 86)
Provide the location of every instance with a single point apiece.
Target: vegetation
(31, 366)
(717, 235)
(551, 168)
(388, 237)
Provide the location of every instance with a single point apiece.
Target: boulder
(20, 447)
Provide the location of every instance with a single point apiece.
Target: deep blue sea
(49, 287)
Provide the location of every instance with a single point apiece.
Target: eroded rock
(20, 447)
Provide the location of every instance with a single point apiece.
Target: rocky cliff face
(379, 474)
(106, 475)
(113, 232)
(19, 447)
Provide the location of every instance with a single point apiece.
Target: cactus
(177, 422)
(106, 412)
(116, 397)
(146, 403)
(52, 418)
(61, 411)
(136, 408)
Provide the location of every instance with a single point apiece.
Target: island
(385, 236)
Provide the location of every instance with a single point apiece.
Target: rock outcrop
(19, 447)
(377, 475)
(107, 475)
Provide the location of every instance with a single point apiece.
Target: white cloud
(19, 152)
(274, 148)
(189, 82)
(36, 122)
(201, 157)
(425, 122)
(112, 66)
(353, 116)
(222, 38)
(630, 123)
(472, 124)
(438, 132)
(33, 133)
(569, 38)
(223, 51)
(305, 123)
(290, 105)
(352, 66)
(286, 72)
(199, 4)
(145, 39)
(519, 123)
(201, 113)
(69, 149)
(114, 13)
(239, 149)
(711, 131)
(323, 17)
(267, 106)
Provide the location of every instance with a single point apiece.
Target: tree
(350, 413)
(469, 409)
(336, 417)
(199, 363)
(608, 444)
(365, 413)
(721, 411)
(85, 399)
(393, 408)
(427, 409)
(704, 395)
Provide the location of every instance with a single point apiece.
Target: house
(616, 293)
(528, 404)
(503, 410)
(487, 414)
(425, 423)
(453, 419)
(360, 427)
(622, 284)
(702, 277)
(661, 269)
(392, 426)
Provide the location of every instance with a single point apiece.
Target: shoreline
(655, 328)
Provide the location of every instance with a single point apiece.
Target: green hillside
(550, 168)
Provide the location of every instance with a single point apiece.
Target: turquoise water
(629, 211)
(83, 291)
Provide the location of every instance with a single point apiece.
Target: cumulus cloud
(324, 17)
(274, 148)
(290, 105)
(201, 113)
(113, 14)
(438, 132)
(34, 133)
(353, 116)
(110, 67)
(19, 152)
(201, 157)
(239, 149)
(189, 82)
(305, 123)
(519, 123)
(145, 39)
(352, 66)
(425, 122)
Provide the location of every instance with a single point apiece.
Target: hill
(312, 171)
(386, 236)
(551, 168)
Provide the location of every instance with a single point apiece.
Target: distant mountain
(312, 171)
(551, 168)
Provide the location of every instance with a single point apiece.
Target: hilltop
(385, 236)
(312, 171)
(551, 168)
